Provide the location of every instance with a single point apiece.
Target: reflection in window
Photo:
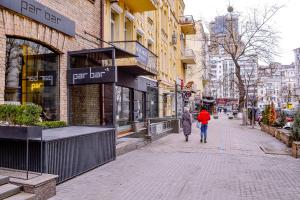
(123, 97)
(138, 106)
(31, 76)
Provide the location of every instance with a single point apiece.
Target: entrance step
(22, 196)
(8, 190)
(3, 180)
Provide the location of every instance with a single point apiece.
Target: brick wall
(87, 18)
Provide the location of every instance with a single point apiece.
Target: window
(114, 26)
(128, 30)
(139, 106)
(31, 76)
(124, 111)
(150, 46)
(139, 38)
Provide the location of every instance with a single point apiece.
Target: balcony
(145, 62)
(142, 5)
(187, 24)
(188, 56)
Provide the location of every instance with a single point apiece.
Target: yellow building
(174, 57)
(155, 31)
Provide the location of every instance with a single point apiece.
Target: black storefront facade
(100, 93)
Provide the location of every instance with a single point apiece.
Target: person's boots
(186, 138)
(205, 140)
(201, 140)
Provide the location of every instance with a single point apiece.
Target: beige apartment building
(156, 29)
(196, 73)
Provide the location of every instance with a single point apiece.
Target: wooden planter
(296, 149)
(278, 133)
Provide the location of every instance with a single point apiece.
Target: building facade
(196, 73)
(297, 63)
(223, 79)
(36, 37)
(156, 34)
(277, 85)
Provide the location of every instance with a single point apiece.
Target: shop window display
(31, 76)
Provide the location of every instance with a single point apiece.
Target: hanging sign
(43, 14)
(90, 75)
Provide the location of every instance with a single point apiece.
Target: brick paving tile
(231, 166)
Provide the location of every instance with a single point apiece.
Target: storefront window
(152, 103)
(123, 96)
(138, 106)
(31, 76)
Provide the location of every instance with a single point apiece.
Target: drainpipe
(101, 31)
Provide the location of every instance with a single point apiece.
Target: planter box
(286, 138)
(216, 117)
(296, 149)
(278, 133)
(20, 132)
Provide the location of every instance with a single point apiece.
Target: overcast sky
(287, 20)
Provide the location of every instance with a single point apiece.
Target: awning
(208, 100)
(100, 54)
(135, 70)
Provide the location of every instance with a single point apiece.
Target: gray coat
(186, 123)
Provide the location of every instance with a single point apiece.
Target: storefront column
(63, 91)
(2, 58)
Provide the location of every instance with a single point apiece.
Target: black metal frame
(30, 133)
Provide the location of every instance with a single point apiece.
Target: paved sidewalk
(230, 166)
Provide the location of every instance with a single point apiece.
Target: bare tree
(245, 37)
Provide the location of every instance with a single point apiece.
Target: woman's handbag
(198, 124)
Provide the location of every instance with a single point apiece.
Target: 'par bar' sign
(90, 75)
(42, 14)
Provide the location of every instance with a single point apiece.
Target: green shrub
(281, 120)
(296, 127)
(20, 114)
(51, 124)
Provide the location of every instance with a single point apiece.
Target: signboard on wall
(42, 14)
(142, 53)
(91, 75)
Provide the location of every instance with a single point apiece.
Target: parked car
(288, 125)
(290, 114)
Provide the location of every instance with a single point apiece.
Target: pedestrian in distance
(187, 123)
(203, 117)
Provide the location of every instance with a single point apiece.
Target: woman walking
(203, 117)
(187, 123)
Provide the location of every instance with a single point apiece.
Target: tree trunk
(241, 85)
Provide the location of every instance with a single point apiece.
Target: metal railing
(155, 129)
(188, 53)
(187, 19)
(144, 56)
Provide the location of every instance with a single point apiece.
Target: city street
(230, 166)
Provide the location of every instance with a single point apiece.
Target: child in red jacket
(203, 117)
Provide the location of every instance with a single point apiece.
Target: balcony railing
(145, 58)
(188, 56)
(187, 24)
(187, 19)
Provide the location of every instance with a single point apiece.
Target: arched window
(31, 76)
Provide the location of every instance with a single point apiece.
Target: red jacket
(203, 117)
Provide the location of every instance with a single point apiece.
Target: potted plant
(19, 121)
(296, 136)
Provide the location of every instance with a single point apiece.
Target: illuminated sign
(36, 86)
